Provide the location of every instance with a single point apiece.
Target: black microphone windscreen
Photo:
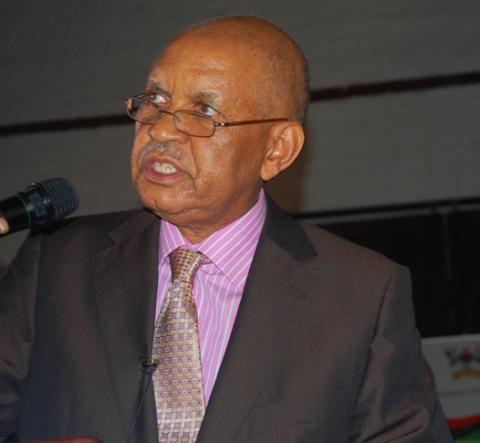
(62, 195)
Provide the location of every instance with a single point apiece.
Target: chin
(160, 203)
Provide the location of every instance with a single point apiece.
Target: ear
(283, 147)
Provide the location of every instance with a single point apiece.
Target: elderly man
(212, 316)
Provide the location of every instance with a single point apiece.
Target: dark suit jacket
(324, 347)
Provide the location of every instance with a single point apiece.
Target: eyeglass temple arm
(248, 122)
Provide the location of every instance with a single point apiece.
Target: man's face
(201, 184)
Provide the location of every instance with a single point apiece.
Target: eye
(206, 109)
(157, 98)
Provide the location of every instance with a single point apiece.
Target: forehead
(192, 64)
(170, 71)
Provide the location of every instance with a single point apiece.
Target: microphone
(41, 204)
(148, 365)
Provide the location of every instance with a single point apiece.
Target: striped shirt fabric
(218, 286)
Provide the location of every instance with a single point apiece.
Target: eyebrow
(207, 97)
(212, 98)
(156, 87)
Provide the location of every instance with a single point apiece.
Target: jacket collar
(275, 292)
(126, 284)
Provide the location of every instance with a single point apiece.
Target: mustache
(166, 148)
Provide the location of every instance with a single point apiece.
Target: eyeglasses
(142, 110)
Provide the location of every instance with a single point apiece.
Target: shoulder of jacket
(343, 253)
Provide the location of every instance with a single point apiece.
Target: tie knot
(184, 264)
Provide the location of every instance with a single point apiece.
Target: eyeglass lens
(185, 121)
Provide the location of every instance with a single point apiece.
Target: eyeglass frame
(216, 123)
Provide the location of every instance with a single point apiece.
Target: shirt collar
(218, 247)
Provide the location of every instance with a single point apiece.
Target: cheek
(139, 141)
(244, 151)
(232, 159)
(216, 159)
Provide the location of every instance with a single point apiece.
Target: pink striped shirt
(218, 286)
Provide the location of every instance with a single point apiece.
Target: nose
(164, 129)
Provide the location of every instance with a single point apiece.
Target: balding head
(278, 66)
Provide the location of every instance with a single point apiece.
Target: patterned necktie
(177, 381)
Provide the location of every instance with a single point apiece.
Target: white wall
(69, 59)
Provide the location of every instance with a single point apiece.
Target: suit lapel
(272, 296)
(126, 284)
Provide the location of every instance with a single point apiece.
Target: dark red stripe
(462, 422)
(395, 86)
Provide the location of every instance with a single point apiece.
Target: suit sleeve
(17, 306)
(397, 401)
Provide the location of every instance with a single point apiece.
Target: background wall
(394, 117)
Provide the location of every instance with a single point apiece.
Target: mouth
(164, 168)
(161, 170)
